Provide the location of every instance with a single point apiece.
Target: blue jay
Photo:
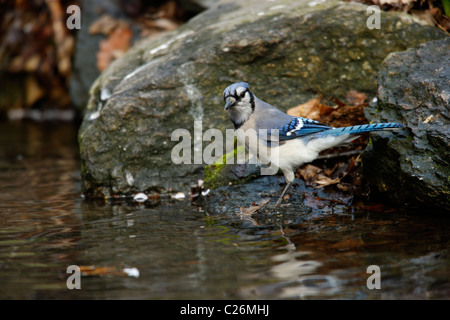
(297, 140)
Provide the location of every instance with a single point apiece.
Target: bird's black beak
(229, 102)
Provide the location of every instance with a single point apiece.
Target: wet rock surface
(414, 89)
(288, 52)
(300, 202)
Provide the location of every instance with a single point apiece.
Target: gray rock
(414, 89)
(288, 51)
(305, 202)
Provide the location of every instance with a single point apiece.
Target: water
(183, 251)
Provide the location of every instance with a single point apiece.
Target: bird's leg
(288, 184)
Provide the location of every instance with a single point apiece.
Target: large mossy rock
(414, 89)
(289, 52)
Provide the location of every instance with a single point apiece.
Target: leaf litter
(337, 166)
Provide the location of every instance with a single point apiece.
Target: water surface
(185, 251)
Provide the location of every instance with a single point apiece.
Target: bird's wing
(299, 127)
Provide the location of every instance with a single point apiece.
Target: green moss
(214, 173)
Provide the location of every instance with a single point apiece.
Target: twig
(338, 155)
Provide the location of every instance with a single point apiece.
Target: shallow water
(184, 251)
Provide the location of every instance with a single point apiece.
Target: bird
(291, 141)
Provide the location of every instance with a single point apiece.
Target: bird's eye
(242, 94)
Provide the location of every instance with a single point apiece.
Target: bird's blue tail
(361, 129)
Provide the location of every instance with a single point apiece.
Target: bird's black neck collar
(238, 124)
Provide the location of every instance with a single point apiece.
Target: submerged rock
(414, 89)
(289, 51)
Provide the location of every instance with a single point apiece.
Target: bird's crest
(233, 90)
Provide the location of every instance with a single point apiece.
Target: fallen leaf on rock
(431, 118)
(309, 109)
(309, 172)
(252, 209)
(162, 24)
(312, 109)
(323, 181)
(319, 178)
(355, 98)
(329, 171)
(441, 19)
(314, 175)
(343, 164)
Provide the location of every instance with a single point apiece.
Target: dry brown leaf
(309, 172)
(252, 209)
(104, 25)
(431, 118)
(99, 271)
(329, 171)
(323, 181)
(314, 175)
(115, 46)
(162, 24)
(105, 271)
(355, 98)
(118, 42)
(340, 115)
(310, 109)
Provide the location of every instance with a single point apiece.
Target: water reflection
(187, 252)
(328, 258)
(300, 276)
